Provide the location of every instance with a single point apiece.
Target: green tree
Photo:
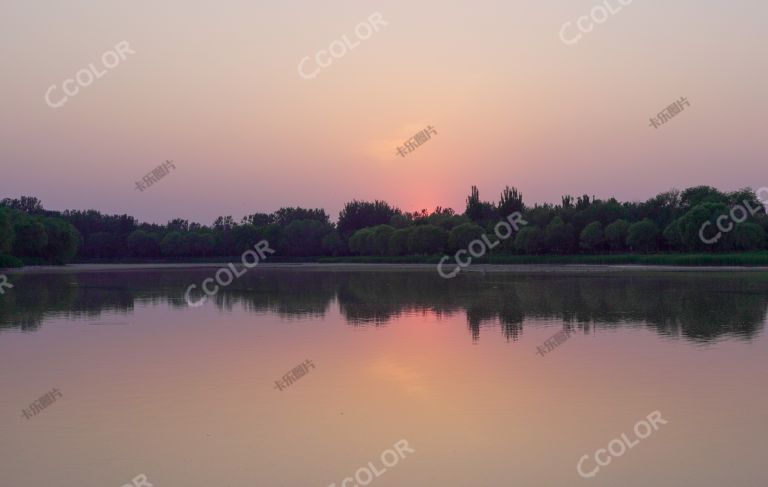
(381, 236)
(63, 241)
(31, 237)
(474, 210)
(616, 235)
(560, 236)
(643, 236)
(305, 237)
(461, 236)
(398, 242)
(174, 244)
(243, 237)
(700, 221)
(699, 195)
(142, 244)
(749, 236)
(361, 214)
(201, 243)
(511, 200)
(427, 239)
(672, 235)
(591, 238)
(7, 235)
(530, 240)
(361, 242)
(333, 244)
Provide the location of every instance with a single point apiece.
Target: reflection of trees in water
(698, 307)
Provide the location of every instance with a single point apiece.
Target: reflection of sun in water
(402, 376)
(386, 149)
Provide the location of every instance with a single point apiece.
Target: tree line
(668, 222)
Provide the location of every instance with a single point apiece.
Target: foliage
(616, 235)
(583, 224)
(427, 239)
(361, 214)
(643, 235)
(591, 239)
(461, 236)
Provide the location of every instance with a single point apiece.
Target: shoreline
(310, 266)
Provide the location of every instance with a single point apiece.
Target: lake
(311, 377)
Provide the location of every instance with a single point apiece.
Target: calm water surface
(188, 396)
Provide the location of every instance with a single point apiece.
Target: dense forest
(669, 222)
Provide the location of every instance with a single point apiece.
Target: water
(188, 396)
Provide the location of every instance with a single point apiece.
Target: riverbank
(340, 266)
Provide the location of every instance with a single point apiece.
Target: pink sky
(214, 86)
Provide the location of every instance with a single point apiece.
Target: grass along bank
(747, 259)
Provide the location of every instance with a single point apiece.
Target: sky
(215, 87)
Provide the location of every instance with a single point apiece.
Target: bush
(560, 236)
(616, 235)
(361, 242)
(333, 244)
(63, 241)
(591, 238)
(427, 239)
(529, 240)
(461, 236)
(749, 236)
(31, 237)
(142, 244)
(643, 236)
(381, 236)
(7, 234)
(672, 235)
(690, 227)
(303, 237)
(398, 241)
(8, 261)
